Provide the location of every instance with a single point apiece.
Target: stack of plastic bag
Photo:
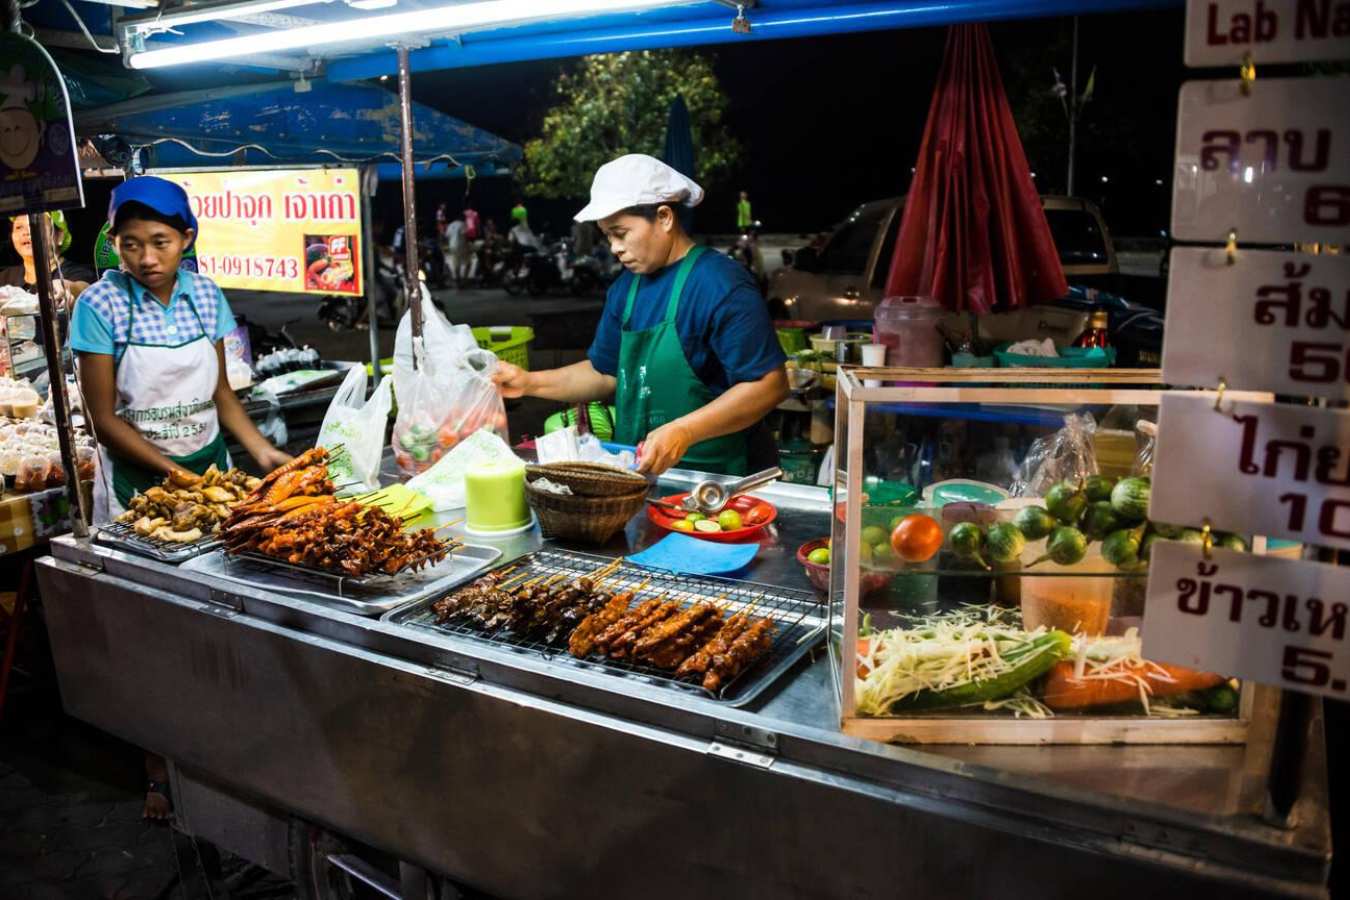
(447, 396)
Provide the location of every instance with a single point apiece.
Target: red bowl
(872, 580)
(763, 511)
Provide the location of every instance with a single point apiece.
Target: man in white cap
(685, 344)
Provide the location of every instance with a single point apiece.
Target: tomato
(917, 538)
(864, 649)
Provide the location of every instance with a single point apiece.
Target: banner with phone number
(294, 231)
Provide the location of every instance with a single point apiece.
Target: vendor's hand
(269, 458)
(512, 381)
(664, 447)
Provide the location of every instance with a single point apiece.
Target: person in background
(743, 217)
(522, 236)
(442, 220)
(458, 251)
(473, 231)
(71, 280)
(518, 212)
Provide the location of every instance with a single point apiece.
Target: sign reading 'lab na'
(1222, 32)
(1274, 164)
(1279, 470)
(1277, 621)
(1268, 320)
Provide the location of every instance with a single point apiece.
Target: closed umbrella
(974, 236)
(679, 151)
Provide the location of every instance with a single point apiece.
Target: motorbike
(586, 273)
(530, 271)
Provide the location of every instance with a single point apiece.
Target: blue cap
(160, 194)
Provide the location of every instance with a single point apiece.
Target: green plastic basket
(1069, 358)
(510, 343)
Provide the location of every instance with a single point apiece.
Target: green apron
(656, 385)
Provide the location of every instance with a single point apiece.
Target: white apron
(167, 394)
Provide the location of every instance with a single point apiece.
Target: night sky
(832, 122)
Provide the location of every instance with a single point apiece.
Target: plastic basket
(1069, 358)
(510, 343)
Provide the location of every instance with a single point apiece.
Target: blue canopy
(274, 124)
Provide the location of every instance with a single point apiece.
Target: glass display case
(989, 563)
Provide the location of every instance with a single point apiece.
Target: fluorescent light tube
(443, 20)
(217, 13)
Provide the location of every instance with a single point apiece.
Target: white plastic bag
(356, 424)
(445, 399)
(443, 483)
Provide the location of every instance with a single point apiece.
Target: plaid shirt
(103, 320)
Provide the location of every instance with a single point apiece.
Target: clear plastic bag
(32, 473)
(357, 425)
(446, 395)
(1148, 442)
(1066, 455)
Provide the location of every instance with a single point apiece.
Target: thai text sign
(1269, 321)
(1221, 32)
(1273, 164)
(1276, 621)
(1256, 468)
(296, 231)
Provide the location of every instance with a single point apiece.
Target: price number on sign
(1313, 668)
(1318, 362)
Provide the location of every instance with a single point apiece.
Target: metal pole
(51, 345)
(411, 287)
(1073, 108)
(368, 175)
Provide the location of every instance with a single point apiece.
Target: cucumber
(1129, 498)
(1035, 522)
(1122, 548)
(1004, 543)
(1067, 546)
(1030, 661)
(966, 539)
(1098, 488)
(1100, 520)
(1066, 502)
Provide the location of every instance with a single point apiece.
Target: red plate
(763, 512)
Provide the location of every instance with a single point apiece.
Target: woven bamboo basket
(589, 479)
(589, 519)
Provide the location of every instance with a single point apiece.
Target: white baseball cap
(637, 180)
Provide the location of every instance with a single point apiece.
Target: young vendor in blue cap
(151, 358)
(685, 344)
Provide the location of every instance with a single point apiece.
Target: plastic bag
(443, 483)
(1066, 455)
(357, 425)
(445, 399)
(1148, 442)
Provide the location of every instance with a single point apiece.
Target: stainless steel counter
(528, 779)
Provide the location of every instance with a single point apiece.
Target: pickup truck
(846, 278)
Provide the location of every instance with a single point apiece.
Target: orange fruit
(917, 538)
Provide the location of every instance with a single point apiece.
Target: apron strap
(681, 276)
(632, 295)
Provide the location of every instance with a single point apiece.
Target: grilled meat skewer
(749, 646)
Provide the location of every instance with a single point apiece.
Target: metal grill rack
(799, 621)
(314, 572)
(122, 536)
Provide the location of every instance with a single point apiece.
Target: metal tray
(799, 617)
(361, 581)
(121, 536)
(370, 598)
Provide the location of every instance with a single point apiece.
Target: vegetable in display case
(1003, 594)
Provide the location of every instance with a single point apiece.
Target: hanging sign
(1254, 468)
(1277, 621)
(1273, 164)
(39, 168)
(1222, 32)
(293, 231)
(1284, 318)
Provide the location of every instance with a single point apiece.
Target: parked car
(846, 278)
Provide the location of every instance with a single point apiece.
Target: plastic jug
(908, 328)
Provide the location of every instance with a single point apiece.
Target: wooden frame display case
(985, 588)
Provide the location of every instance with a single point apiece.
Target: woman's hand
(268, 457)
(511, 380)
(664, 447)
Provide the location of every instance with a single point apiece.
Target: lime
(865, 553)
(729, 519)
(882, 554)
(820, 556)
(875, 534)
(682, 525)
(707, 526)
(895, 523)
(695, 517)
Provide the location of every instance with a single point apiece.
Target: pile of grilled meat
(694, 641)
(294, 517)
(186, 506)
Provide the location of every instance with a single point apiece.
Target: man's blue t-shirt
(723, 322)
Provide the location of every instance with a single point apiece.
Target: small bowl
(872, 580)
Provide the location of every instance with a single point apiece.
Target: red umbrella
(973, 234)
